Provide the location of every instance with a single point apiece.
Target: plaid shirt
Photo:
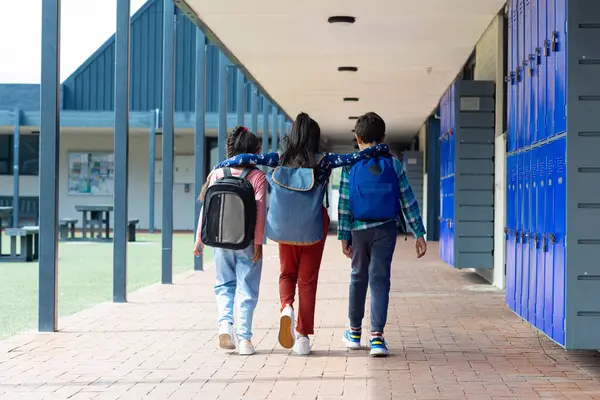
(410, 207)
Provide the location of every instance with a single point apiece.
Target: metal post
(49, 171)
(16, 177)
(241, 97)
(168, 136)
(152, 159)
(222, 130)
(281, 128)
(265, 127)
(199, 129)
(275, 135)
(121, 152)
(254, 108)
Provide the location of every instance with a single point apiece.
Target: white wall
(139, 185)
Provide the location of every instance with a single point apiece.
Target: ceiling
(407, 53)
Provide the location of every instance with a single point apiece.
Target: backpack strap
(246, 171)
(226, 172)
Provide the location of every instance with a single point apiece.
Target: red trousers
(300, 266)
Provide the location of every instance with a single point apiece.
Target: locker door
(510, 225)
(526, 238)
(551, 70)
(533, 73)
(549, 248)
(510, 80)
(540, 229)
(521, 85)
(560, 199)
(560, 49)
(452, 219)
(519, 236)
(542, 70)
(515, 67)
(527, 74)
(533, 237)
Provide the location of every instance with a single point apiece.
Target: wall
(139, 185)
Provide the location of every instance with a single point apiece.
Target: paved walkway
(450, 334)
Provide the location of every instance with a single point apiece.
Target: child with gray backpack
(232, 221)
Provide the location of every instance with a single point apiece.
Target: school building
(491, 104)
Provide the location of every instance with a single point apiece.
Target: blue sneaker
(352, 339)
(378, 347)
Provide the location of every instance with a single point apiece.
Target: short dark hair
(370, 128)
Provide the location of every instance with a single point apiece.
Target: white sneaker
(302, 346)
(246, 348)
(226, 336)
(286, 328)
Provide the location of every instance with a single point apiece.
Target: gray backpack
(229, 212)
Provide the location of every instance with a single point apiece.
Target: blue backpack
(295, 208)
(374, 190)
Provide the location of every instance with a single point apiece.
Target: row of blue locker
(537, 65)
(535, 236)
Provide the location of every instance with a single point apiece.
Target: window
(29, 154)
(5, 155)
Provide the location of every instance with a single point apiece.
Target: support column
(154, 115)
(265, 127)
(222, 129)
(121, 152)
(199, 130)
(275, 135)
(16, 172)
(49, 171)
(240, 97)
(168, 140)
(254, 108)
(281, 128)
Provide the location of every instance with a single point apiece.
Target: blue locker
(533, 236)
(548, 240)
(515, 67)
(510, 231)
(527, 75)
(520, 76)
(526, 238)
(533, 73)
(540, 229)
(519, 235)
(509, 81)
(560, 51)
(551, 68)
(560, 205)
(542, 70)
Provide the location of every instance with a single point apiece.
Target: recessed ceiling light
(350, 98)
(347, 69)
(353, 131)
(352, 117)
(344, 19)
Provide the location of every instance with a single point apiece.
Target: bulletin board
(91, 173)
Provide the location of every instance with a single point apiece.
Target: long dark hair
(239, 141)
(302, 143)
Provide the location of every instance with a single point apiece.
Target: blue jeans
(236, 273)
(371, 265)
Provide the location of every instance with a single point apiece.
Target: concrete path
(450, 334)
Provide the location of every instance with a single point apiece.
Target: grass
(84, 277)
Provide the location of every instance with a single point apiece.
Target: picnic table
(5, 214)
(29, 236)
(98, 220)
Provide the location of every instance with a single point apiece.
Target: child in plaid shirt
(371, 244)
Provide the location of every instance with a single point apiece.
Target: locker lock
(538, 55)
(506, 231)
(536, 239)
(522, 237)
(518, 74)
(546, 48)
(510, 79)
(552, 238)
(530, 69)
(554, 41)
(544, 243)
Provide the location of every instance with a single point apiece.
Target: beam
(121, 152)
(240, 97)
(168, 140)
(275, 135)
(199, 129)
(152, 170)
(49, 167)
(222, 129)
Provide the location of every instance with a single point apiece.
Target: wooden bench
(67, 228)
(29, 207)
(30, 241)
(131, 228)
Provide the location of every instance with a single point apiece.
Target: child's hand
(258, 254)
(347, 249)
(198, 247)
(421, 247)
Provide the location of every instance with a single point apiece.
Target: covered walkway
(451, 336)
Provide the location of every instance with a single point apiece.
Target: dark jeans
(372, 264)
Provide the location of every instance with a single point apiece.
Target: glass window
(29, 154)
(5, 154)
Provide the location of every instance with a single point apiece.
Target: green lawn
(84, 277)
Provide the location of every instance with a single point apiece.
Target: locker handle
(529, 62)
(555, 41)
(522, 237)
(518, 74)
(546, 48)
(538, 55)
(544, 244)
(536, 239)
(552, 238)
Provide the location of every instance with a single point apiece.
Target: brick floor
(450, 334)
